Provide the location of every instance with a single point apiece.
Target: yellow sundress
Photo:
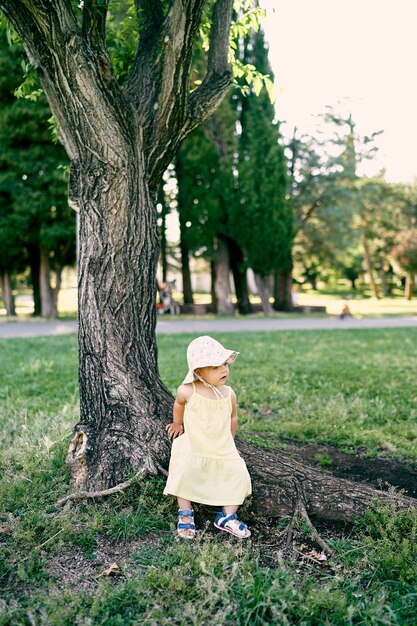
(205, 465)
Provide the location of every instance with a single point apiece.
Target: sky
(361, 53)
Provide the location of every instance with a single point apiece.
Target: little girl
(205, 465)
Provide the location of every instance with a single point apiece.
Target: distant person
(169, 305)
(345, 312)
(205, 464)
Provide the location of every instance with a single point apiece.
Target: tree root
(82, 495)
(300, 512)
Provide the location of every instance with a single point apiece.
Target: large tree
(120, 140)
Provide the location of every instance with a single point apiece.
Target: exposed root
(76, 458)
(300, 512)
(82, 495)
(290, 527)
(161, 470)
(317, 538)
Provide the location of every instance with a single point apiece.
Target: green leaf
(257, 84)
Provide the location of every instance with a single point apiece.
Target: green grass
(348, 388)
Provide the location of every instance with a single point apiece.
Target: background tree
(33, 185)
(262, 218)
(327, 196)
(202, 188)
(405, 254)
(12, 252)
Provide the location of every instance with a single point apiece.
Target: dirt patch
(72, 567)
(381, 472)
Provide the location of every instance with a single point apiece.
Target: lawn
(345, 388)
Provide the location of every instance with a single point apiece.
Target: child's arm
(233, 419)
(177, 428)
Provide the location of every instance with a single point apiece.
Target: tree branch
(302, 219)
(152, 12)
(219, 37)
(78, 83)
(205, 100)
(310, 211)
(142, 84)
(165, 62)
(94, 22)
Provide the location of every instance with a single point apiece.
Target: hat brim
(230, 355)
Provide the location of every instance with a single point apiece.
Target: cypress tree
(262, 223)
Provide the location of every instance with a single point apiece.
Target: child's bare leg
(186, 505)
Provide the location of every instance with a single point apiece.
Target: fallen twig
(44, 543)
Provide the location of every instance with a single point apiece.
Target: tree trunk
(283, 290)
(222, 283)
(213, 285)
(384, 284)
(409, 286)
(122, 399)
(7, 294)
(56, 289)
(368, 264)
(35, 263)
(47, 298)
(185, 264)
(164, 260)
(277, 479)
(312, 279)
(262, 284)
(238, 267)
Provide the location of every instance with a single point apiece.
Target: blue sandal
(223, 522)
(181, 526)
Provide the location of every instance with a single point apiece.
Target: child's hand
(174, 430)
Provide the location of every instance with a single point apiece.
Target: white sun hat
(205, 352)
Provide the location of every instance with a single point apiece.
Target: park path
(199, 326)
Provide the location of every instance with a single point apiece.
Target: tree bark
(276, 479)
(238, 266)
(369, 269)
(409, 286)
(7, 294)
(222, 283)
(262, 284)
